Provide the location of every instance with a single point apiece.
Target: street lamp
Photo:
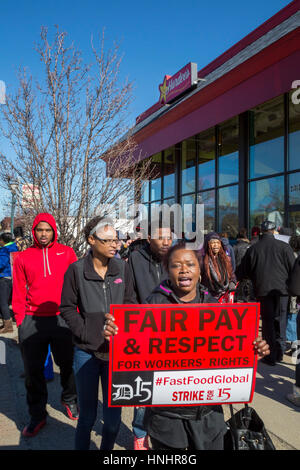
(13, 186)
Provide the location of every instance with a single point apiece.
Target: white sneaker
(295, 396)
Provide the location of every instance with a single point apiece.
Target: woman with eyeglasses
(90, 286)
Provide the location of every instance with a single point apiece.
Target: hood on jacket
(166, 290)
(145, 250)
(225, 241)
(44, 217)
(10, 247)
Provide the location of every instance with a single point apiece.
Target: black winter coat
(86, 297)
(268, 263)
(164, 294)
(177, 426)
(294, 281)
(146, 271)
(240, 249)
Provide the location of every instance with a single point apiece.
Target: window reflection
(267, 138)
(294, 189)
(267, 201)
(188, 166)
(188, 213)
(169, 172)
(294, 135)
(206, 159)
(155, 184)
(145, 191)
(229, 210)
(294, 222)
(228, 148)
(208, 199)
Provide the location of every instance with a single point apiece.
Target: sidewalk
(281, 418)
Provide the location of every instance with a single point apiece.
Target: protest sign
(190, 354)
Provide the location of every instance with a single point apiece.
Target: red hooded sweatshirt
(38, 275)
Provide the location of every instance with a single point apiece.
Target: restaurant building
(228, 135)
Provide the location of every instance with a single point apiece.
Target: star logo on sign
(163, 89)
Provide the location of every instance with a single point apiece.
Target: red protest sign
(189, 354)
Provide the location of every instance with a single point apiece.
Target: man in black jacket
(146, 263)
(147, 272)
(268, 263)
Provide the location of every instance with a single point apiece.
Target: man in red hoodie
(38, 275)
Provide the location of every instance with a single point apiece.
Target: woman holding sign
(184, 427)
(90, 286)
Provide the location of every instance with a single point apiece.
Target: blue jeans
(87, 370)
(138, 422)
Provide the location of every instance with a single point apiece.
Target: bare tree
(58, 128)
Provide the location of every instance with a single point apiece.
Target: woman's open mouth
(184, 281)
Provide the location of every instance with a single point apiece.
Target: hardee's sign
(174, 85)
(166, 355)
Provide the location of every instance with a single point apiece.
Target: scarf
(218, 287)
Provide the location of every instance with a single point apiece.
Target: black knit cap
(211, 236)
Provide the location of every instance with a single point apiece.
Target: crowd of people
(63, 303)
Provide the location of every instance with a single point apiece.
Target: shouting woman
(184, 427)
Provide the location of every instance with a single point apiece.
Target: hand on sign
(110, 328)
(262, 348)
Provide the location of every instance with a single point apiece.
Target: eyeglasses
(106, 241)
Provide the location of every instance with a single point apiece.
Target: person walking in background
(38, 274)
(90, 286)
(147, 271)
(255, 233)
(245, 291)
(241, 247)
(228, 249)
(268, 264)
(21, 242)
(7, 247)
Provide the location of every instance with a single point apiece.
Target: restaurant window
(208, 199)
(188, 166)
(206, 159)
(188, 213)
(267, 201)
(266, 136)
(294, 134)
(294, 189)
(145, 185)
(169, 172)
(228, 151)
(229, 210)
(155, 183)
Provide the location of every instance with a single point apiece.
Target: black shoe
(33, 427)
(71, 409)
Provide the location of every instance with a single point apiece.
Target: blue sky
(156, 37)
